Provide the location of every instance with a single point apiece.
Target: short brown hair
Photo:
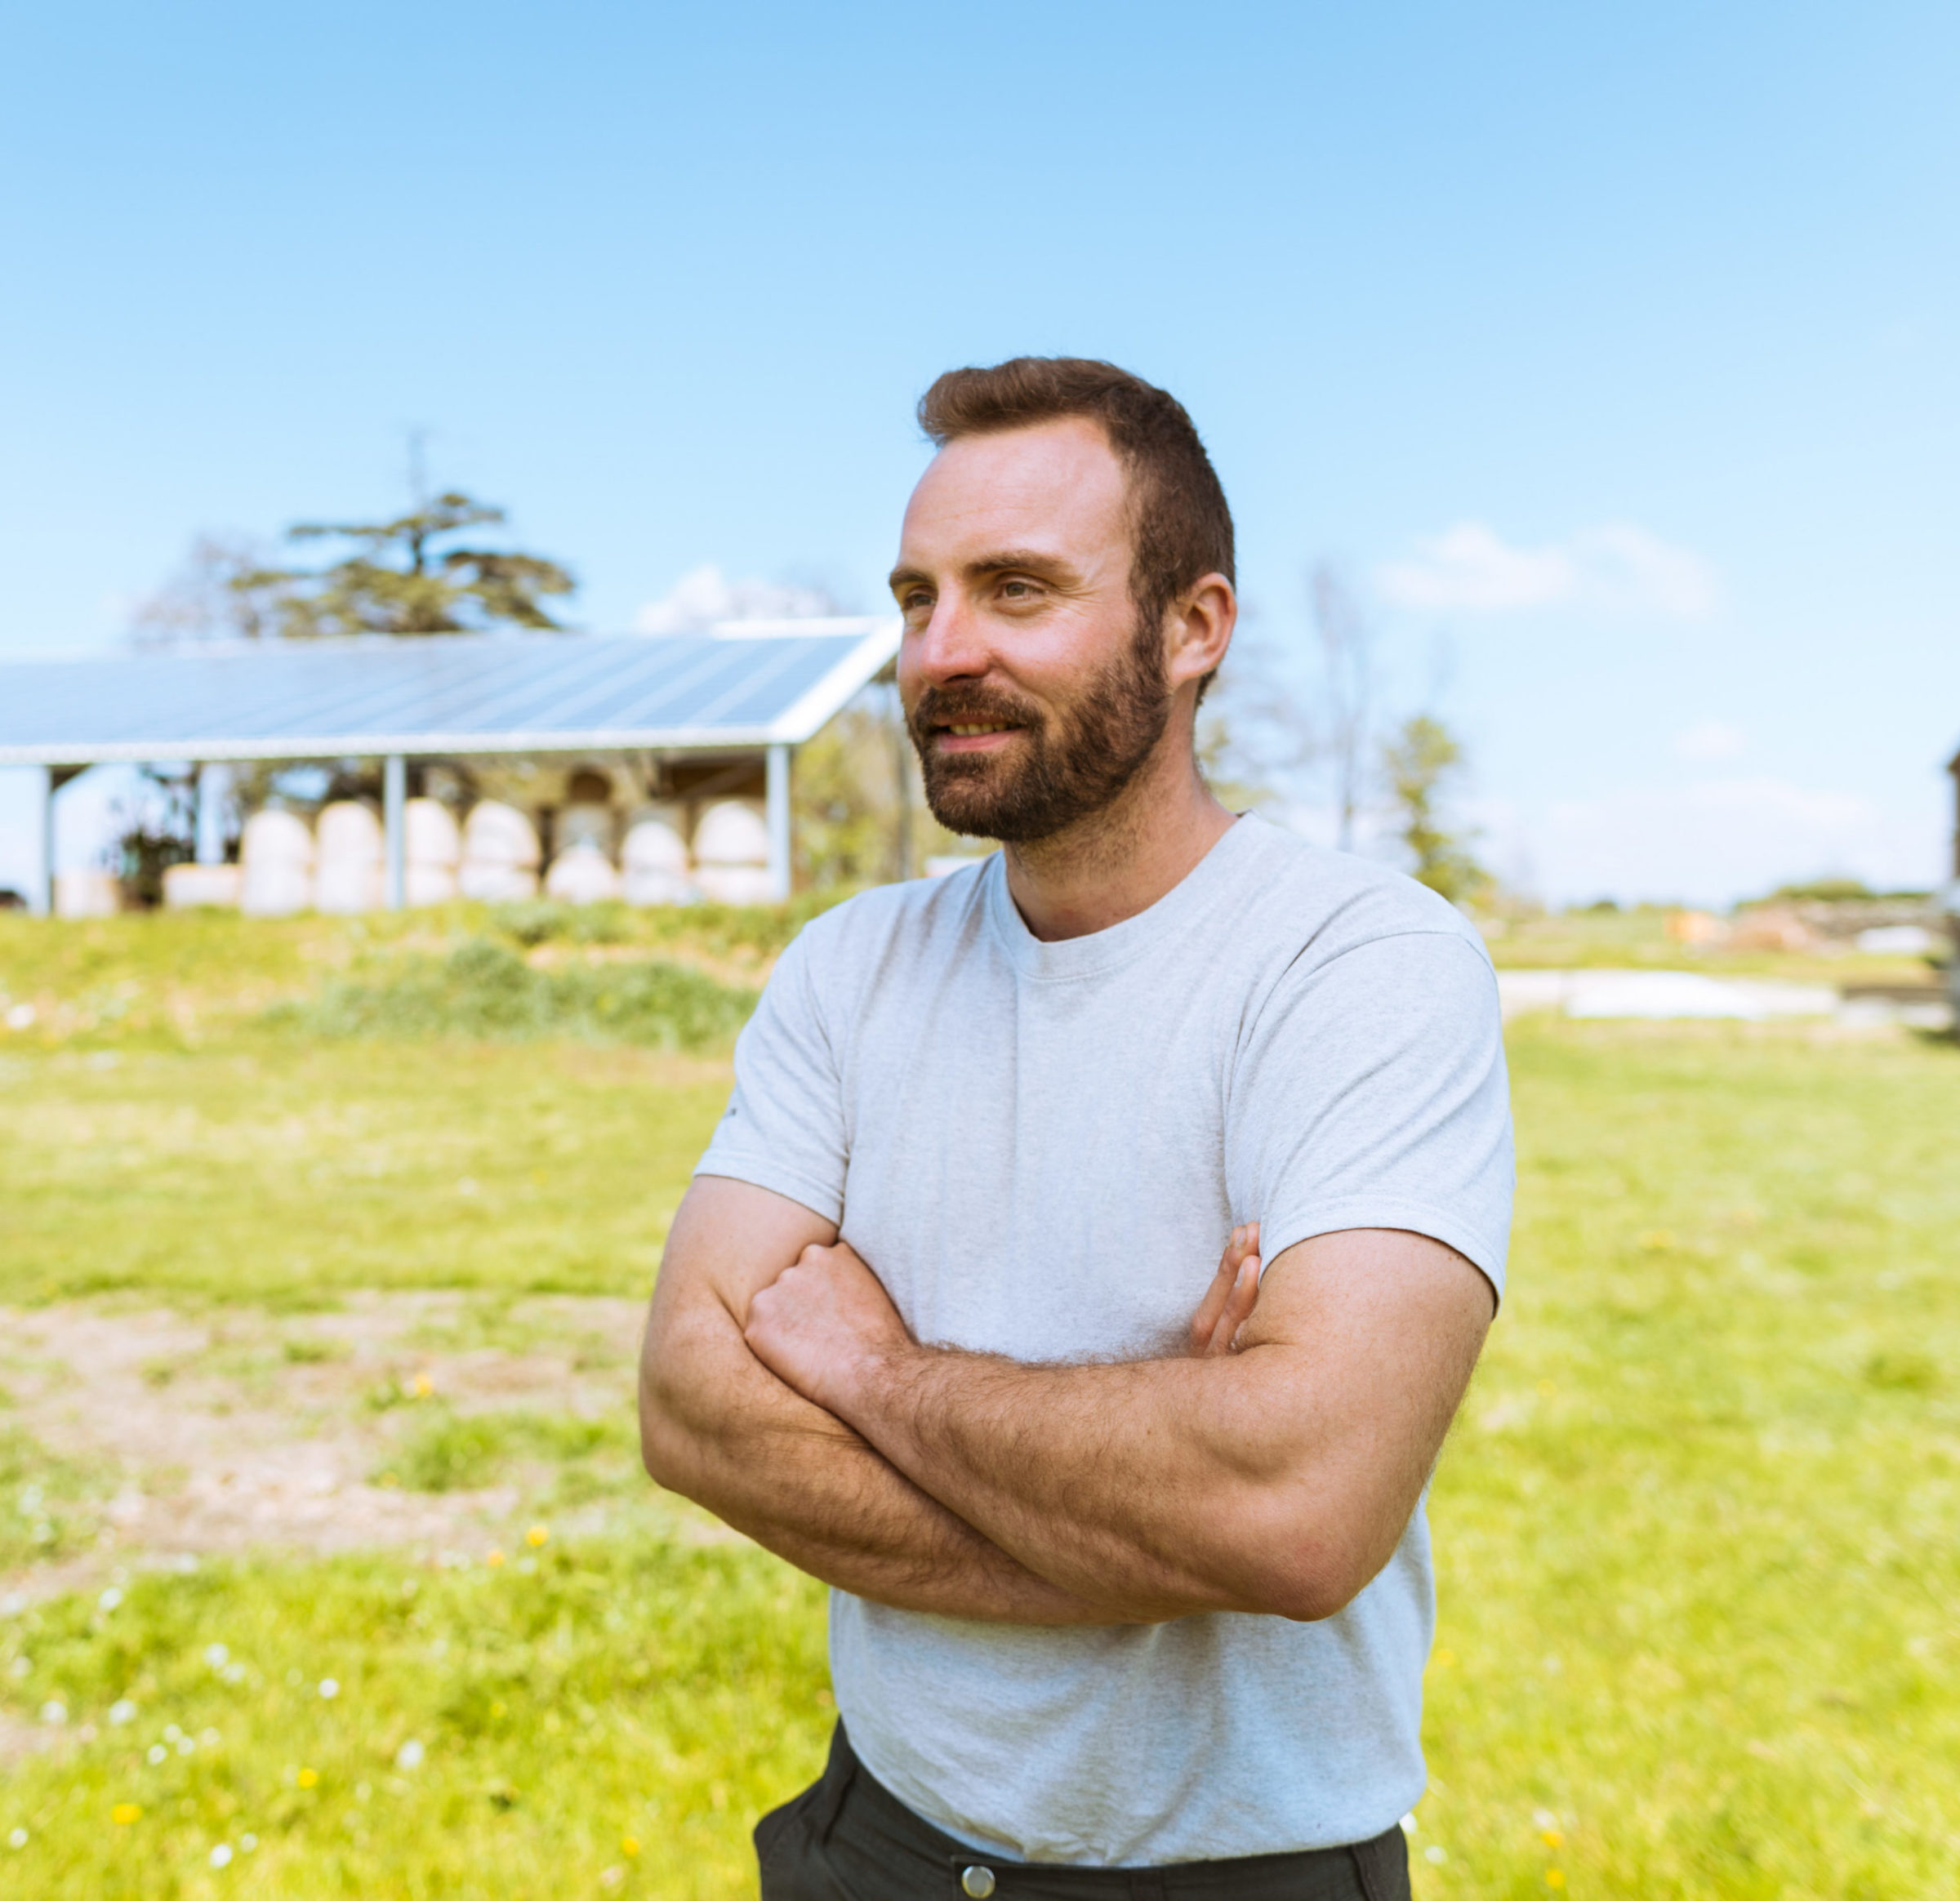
(1180, 524)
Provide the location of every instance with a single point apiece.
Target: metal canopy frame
(743, 687)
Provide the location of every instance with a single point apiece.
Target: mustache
(938, 706)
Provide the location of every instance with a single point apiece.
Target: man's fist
(824, 1325)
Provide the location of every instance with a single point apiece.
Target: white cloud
(1710, 739)
(704, 596)
(1617, 566)
(1468, 567)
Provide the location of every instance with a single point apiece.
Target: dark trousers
(846, 1838)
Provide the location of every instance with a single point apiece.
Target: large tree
(421, 573)
(407, 576)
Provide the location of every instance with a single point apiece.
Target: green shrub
(545, 921)
(758, 930)
(484, 989)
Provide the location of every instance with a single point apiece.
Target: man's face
(1031, 694)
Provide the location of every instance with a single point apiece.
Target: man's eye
(1018, 590)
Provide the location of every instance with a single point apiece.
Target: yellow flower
(1555, 1877)
(535, 1536)
(496, 1709)
(1551, 1837)
(125, 1813)
(494, 1559)
(628, 1845)
(308, 1778)
(424, 1386)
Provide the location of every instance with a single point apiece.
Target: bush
(544, 920)
(485, 990)
(739, 930)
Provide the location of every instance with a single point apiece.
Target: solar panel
(448, 693)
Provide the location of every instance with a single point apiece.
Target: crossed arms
(1273, 1469)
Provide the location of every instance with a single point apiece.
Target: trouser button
(977, 1881)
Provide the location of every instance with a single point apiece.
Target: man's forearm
(1155, 1486)
(719, 1428)
(1276, 1477)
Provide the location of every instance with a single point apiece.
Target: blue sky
(1613, 352)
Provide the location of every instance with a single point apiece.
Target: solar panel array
(450, 693)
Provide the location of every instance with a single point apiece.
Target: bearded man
(1131, 1584)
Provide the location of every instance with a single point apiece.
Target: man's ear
(1200, 628)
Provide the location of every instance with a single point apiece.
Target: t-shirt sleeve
(1370, 1092)
(784, 1127)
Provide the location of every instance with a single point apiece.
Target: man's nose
(950, 646)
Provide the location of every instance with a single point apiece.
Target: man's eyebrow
(1000, 561)
(1024, 560)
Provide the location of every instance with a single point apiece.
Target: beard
(1065, 766)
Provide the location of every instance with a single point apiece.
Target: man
(1131, 1584)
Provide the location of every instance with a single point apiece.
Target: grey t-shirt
(1040, 1149)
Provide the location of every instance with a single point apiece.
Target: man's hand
(718, 1426)
(1229, 1301)
(826, 1324)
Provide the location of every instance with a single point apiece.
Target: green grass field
(1697, 1529)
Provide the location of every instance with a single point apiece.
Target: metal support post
(214, 786)
(779, 823)
(41, 888)
(394, 799)
(41, 891)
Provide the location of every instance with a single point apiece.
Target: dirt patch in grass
(244, 1429)
(19, 1740)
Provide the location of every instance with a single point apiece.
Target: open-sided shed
(745, 691)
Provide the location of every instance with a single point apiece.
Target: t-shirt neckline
(1098, 952)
